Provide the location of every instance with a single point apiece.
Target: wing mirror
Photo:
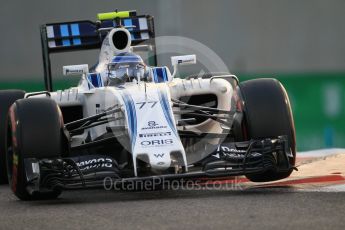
(75, 69)
(182, 60)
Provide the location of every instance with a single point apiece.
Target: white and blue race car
(129, 121)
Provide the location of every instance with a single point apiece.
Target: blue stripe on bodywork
(95, 79)
(75, 32)
(165, 74)
(126, 59)
(100, 83)
(158, 75)
(131, 102)
(132, 121)
(65, 33)
(164, 101)
(155, 76)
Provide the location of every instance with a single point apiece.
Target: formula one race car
(128, 120)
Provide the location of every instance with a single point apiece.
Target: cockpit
(126, 67)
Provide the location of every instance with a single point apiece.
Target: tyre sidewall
(7, 98)
(15, 159)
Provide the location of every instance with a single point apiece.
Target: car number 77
(148, 103)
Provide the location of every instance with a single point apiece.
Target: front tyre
(267, 113)
(7, 98)
(34, 131)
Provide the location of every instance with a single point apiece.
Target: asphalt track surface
(292, 205)
(259, 208)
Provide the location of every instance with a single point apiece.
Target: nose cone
(151, 123)
(160, 161)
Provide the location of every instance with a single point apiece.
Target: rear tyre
(7, 98)
(267, 113)
(34, 131)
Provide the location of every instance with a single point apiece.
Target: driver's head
(126, 67)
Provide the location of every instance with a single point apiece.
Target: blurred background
(302, 43)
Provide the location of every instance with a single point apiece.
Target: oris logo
(157, 142)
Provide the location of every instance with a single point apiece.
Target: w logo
(157, 155)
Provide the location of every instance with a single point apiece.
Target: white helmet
(125, 67)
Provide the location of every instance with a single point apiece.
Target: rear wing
(84, 35)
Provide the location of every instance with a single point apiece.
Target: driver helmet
(125, 67)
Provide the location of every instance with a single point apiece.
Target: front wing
(227, 159)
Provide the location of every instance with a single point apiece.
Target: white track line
(321, 152)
